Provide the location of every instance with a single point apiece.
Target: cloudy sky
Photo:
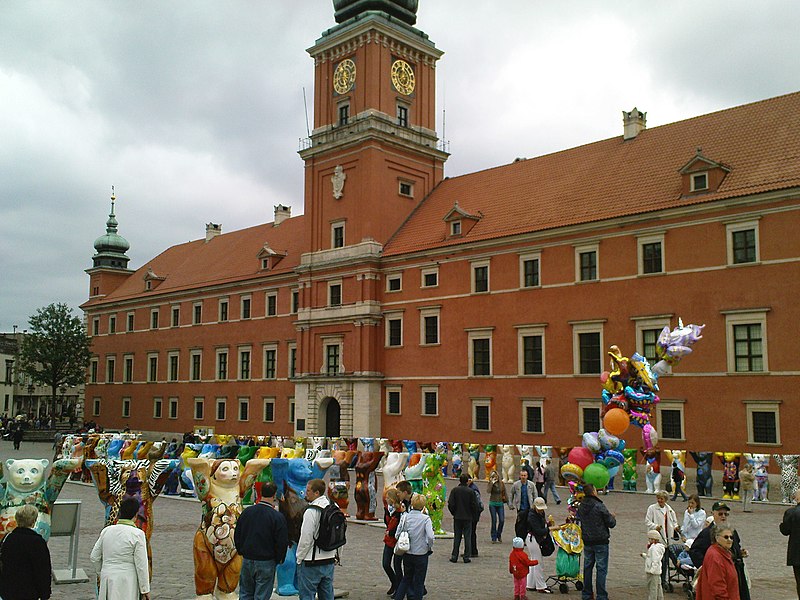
(193, 109)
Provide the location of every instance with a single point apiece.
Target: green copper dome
(111, 247)
(403, 10)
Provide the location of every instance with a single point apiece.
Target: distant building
(476, 308)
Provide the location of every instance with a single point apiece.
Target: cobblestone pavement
(486, 577)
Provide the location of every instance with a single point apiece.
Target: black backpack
(521, 524)
(332, 531)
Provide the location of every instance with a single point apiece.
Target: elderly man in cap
(720, 511)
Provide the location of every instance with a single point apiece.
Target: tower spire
(111, 247)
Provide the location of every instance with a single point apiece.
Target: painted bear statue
(434, 489)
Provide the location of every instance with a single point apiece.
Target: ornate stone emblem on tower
(338, 179)
(344, 77)
(403, 77)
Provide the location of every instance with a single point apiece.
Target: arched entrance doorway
(330, 413)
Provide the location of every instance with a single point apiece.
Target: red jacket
(391, 527)
(519, 563)
(718, 579)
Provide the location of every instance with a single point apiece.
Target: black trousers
(462, 527)
(797, 578)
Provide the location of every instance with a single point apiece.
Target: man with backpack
(321, 534)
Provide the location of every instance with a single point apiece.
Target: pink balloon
(580, 456)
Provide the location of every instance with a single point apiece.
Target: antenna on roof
(305, 104)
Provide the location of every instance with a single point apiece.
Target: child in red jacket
(519, 564)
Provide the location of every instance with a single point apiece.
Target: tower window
(337, 235)
(402, 115)
(344, 114)
(406, 189)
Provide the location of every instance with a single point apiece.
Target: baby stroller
(680, 570)
(568, 558)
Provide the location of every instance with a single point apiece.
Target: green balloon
(597, 475)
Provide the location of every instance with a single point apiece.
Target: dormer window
(455, 228)
(265, 263)
(699, 182)
(269, 257)
(459, 221)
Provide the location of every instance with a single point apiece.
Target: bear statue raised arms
(23, 482)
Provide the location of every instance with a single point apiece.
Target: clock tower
(372, 157)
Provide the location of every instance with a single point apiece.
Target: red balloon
(616, 421)
(581, 456)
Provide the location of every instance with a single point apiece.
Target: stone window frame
(583, 249)
(479, 334)
(523, 331)
(732, 227)
(243, 403)
(751, 316)
(430, 311)
(199, 401)
(172, 407)
(481, 402)
(387, 406)
(671, 404)
(479, 264)
(394, 315)
(426, 389)
(267, 401)
(641, 242)
(593, 403)
(752, 406)
(220, 401)
(587, 326)
(158, 407)
(429, 271)
(525, 257)
(126, 407)
(532, 403)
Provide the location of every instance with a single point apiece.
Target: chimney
(635, 122)
(212, 231)
(281, 214)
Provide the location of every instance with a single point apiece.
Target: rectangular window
(430, 325)
(337, 236)
(455, 228)
(394, 283)
(176, 316)
(173, 367)
(96, 407)
(157, 407)
(95, 326)
(481, 415)
(393, 401)
(272, 304)
(110, 364)
(670, 424)
(481, 357)
(332, 359)
(402, 115)
(197, 316)
(295, 301)
(199, 406)
(269, 410)
(270, 363)
(699, 182)
(335, 294)
(649, 339)
(394, 331)
(744, 246)
(532, 418)
(480, 278)
(765, 430)
(291, 410)
(112, 324)
(222, 365)
(154, 319)
(128, 369)
(197, 359)
(590, 360)
(344, 114)
(244, 364)
(748, 350)
(430, 402)
(406, 189)
(532, 355)
(223, 310)
(152, 368)
(221, 402)
(126, 407)
(651, 258)
(93, 371)
(9, 372)
(591, 419)
(244, 409)
(530, 272)
(173, 408)
(245, 310)
(430, 278)
(292, 361)
(588, 265)
(130, 322)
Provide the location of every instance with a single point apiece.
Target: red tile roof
(226, 258)
(760, 142)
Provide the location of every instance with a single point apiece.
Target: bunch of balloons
(595, 462)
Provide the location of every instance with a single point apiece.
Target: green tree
(55, 351)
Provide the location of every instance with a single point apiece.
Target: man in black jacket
(791, 527)
(261, 538)
(463, 505)
(25, 560)
(595, 524)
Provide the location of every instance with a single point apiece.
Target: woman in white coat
(120, 558)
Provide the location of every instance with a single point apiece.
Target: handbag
(403, 542)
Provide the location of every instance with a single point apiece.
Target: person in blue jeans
(596, 522)
(415, 562)
(497, 501)
(261, 538)
(314, 565)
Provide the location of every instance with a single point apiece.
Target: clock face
(402, 77)
(344, 76)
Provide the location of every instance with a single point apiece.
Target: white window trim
(399, 390)
(481, 402)
(579, 327)
(424, 272)
(532, 403)
(292, 346)
(666, 404)
(158, 401)
(649, 322)
(692, 178)
(745, 317)
(112, 319)
(126, 408)
(246, 297)
(173, 401)
(594, 247)
(407, 182)
(266, 348)
(292, 410)
(294, 292)
(243, 401)
(128, 321)
(96, 406)
(157, 312)
(217, 354)
(730, 229)
(341, 292)
(526, 331)
(198, 400)
(222, 301)
(537, 256)
(588, 403)
(151, 356)
(194, 312)
(267, 400)
(641, 241)
(172, 312)
(267, 296)
(111, 377)
(455, 225)
(94, 369)
(477, 264)
(393, 316)
(427, 389)
(242, 349)
(763, 406)
(479, 334)
(394, 277)
(217, 403)
(334, 225)
(192, 354)
(170, 355)
(431, 311)
(333, 340)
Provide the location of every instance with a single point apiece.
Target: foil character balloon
(629, 473)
